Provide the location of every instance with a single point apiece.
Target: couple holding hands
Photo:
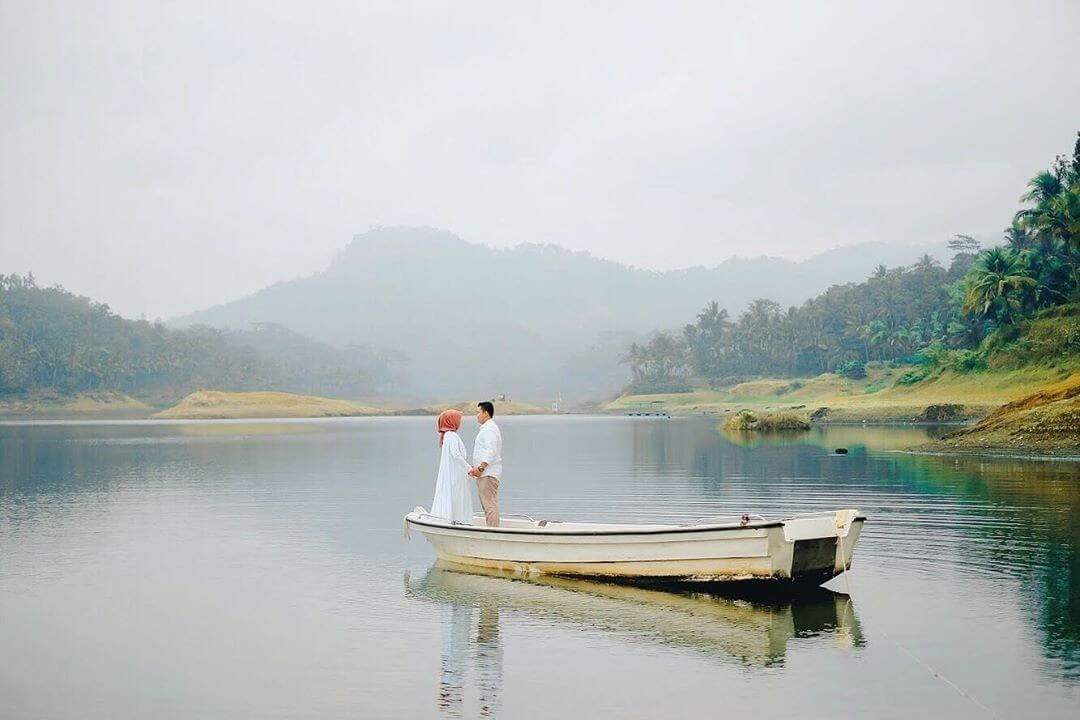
(453, 488)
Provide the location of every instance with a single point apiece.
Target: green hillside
(58, 351)
(992, 326)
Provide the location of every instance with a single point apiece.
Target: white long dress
(453, 492)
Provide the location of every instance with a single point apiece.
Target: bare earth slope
(1045, 422)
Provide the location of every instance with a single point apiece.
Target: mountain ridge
(482, 320)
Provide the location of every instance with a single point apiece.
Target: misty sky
(162, 157)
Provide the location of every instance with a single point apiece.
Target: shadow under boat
(749, 623)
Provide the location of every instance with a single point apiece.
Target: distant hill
(531, 321)
(63, 353)
(209, 404)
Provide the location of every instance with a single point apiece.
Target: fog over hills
(533, 321)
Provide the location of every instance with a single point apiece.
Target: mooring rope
(925, 665)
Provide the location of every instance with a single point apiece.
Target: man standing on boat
(487, 454)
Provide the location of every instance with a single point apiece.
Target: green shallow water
(258, 569)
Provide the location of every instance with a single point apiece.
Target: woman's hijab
(449, 420)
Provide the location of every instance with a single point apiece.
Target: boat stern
(822, 545)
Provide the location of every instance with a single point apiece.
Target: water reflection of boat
(750, 631)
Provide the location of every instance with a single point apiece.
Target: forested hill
(474, 319)
(53, 340)
(1017, 302)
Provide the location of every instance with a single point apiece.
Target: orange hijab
(448, 420)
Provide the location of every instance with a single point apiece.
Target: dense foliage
(51, 339)
(924, 312)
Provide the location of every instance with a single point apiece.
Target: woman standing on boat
(453, 490)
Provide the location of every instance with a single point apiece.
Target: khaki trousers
(489, 498)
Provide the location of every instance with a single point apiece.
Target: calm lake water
(259, 569)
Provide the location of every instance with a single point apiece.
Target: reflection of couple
(471, 646)
(486, 656)
(453, 490)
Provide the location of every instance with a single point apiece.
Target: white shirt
(488, 448)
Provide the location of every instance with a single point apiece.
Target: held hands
(475, 472)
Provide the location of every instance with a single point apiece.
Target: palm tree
(1055, 208)
(706, 339)
(879, 335)
(1048, 231)
(1017, 236)
(1054, 270)
(1041, 189)
(1059, 219)
(667, 358)
(998, 286)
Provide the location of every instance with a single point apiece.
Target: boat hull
(810, 550)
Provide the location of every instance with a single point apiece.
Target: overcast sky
(165, 156)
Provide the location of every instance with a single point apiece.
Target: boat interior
(798, 527)
(526, 522)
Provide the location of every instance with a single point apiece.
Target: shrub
(789, 387)
(917, 359)
(748, 421)
(742, 420)
(915, 375)
(933, 355)
(1055, 335)
(854, 369)
(966, 361)
(876, 386)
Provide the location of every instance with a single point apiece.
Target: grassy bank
(209, 404)
(78, 406)
(876, 398)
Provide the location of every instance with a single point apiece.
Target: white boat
(805, 548)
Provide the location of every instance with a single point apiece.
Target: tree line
(923, 311)
(51, 339)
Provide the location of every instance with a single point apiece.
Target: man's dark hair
(487, 407)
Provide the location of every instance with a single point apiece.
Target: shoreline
(864, 414)
(1045, 424)
(996, 453)
(1030, 411)
(154, 415)
(932, 449)
(220, 405)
